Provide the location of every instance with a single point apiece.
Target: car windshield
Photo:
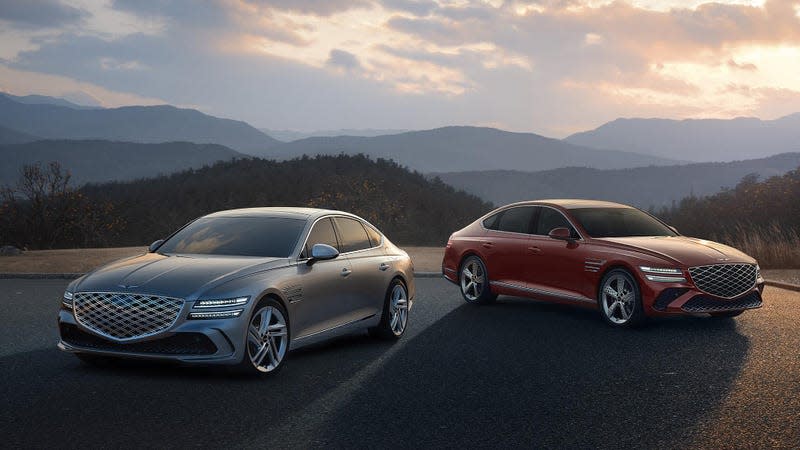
(237, 236)
(619, 222)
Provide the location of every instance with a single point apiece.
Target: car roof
(279, 211)
(574, 203)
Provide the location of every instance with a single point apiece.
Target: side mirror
(322, 252)
(562, 234)
(154, 246)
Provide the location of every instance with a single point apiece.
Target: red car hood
(683, 250)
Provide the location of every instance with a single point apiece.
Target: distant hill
(144, 124)
(643, 186)
(9, 136)
(408, 207)
(101, 161)
(45, 100)
(469, 148)
(293, 135)
(697, 140)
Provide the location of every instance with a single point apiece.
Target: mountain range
(700, 140)
(644, 187)
(99, 161)
(142, 124)
(469, 148)
(294, 135)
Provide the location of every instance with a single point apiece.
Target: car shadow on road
(156, 405)
(525, 373)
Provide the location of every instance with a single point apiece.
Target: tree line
(405, 205)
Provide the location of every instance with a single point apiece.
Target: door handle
(487, 245)
(535, 250)
(346, 272)
(383, 266)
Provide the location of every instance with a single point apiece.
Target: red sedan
(616, 258)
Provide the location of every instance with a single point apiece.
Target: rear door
(504, 245)
(367, 285)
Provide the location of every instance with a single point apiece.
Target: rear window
(516, 220)
(352, 235)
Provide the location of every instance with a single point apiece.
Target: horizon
(550, 68)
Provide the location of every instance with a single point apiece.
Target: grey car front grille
(124, 316)
(724, 280)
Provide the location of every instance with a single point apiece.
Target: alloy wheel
(618, 298)
(267, 339)
(473, 279)
(399, 309)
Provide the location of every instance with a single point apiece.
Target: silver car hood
(181, 276)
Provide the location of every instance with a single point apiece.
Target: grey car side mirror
(322, 252)
(154, 246)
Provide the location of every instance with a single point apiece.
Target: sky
(552, 67)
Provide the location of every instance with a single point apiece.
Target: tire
(626, 312)
(725, 314)
(394, 318)
(266, 346)
(474, 281)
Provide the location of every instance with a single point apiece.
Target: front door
(323, 296)
(555, 268)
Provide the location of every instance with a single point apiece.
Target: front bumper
(218, 341)
(662, 299)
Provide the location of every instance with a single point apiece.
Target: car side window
(491, 222)
(352, 234)
(549, 218)
(516, 220)
(374, 235)
(321, 233)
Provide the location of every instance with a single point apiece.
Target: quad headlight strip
(218, 303)
(663, 274)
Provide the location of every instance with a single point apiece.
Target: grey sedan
(241, 287)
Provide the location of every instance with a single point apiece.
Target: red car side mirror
(562, 234)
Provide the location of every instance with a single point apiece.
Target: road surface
(517, 373)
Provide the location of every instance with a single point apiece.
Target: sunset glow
(545, 66)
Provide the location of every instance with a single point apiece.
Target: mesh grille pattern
(177, 344)
(124, 316)
(724, 280)
(703, 304)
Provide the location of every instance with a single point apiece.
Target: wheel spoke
(609, 291)
(259, 356)
(266, 317)
(624, 311)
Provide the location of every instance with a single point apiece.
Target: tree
(44, 211)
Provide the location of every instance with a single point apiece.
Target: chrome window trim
(580, 236)
(331, 216)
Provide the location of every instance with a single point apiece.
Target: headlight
(216, 314)
(66, 301)
(663, 274)
(221, 303)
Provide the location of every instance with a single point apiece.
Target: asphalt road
(517, 373)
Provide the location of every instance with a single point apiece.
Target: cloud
(550, 66)
(343, 60)
(314, 7)
(741, 66)
(40, 13)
